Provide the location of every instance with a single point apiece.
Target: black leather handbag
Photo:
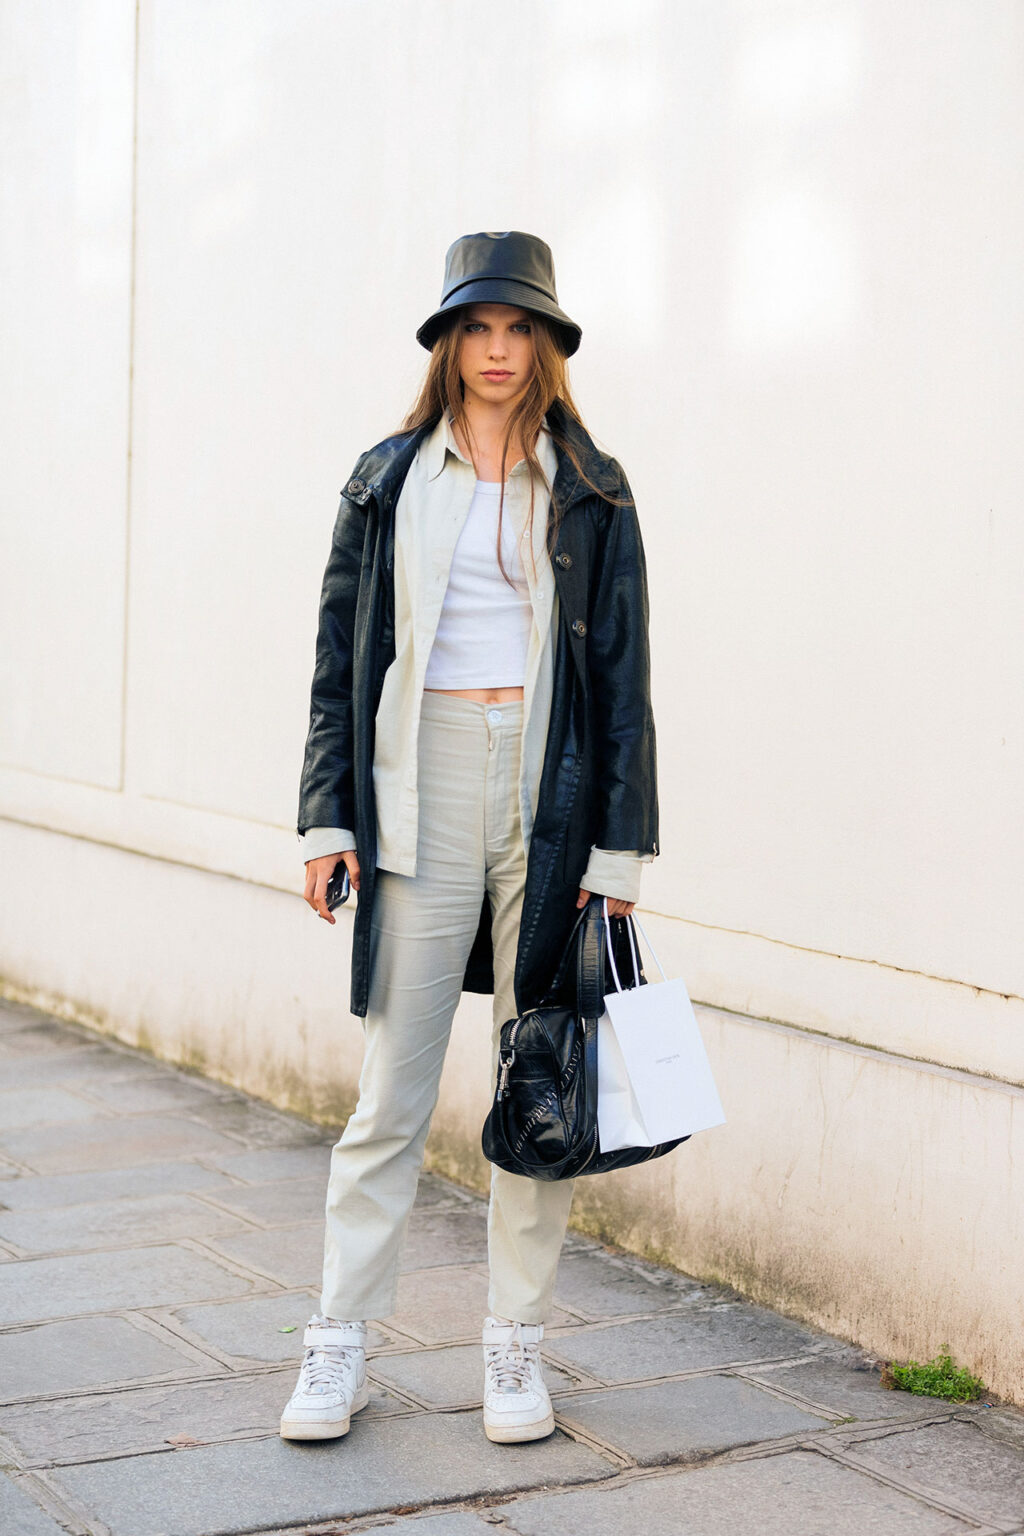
(543, 1120)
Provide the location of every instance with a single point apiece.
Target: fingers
(319, 902)
(318, 873)
(617, 906)
(352, 865)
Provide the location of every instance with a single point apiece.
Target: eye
(524, 326)
(474, 325)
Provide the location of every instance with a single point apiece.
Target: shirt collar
(441, 442)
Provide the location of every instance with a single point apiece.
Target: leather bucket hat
(507, 267)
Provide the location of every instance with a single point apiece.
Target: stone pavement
(160, 1247)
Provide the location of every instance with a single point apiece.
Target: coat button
(565, 561)
(578, 627)
(355, 487)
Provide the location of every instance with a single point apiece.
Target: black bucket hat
(504, 268)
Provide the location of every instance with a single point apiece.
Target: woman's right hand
(319, 871)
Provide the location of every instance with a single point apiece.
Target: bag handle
(611, 949)
(630, 919)
(589, 942)
(568, 953)
(590, 955)
(585, 950)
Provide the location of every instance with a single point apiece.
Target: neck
(487, 425)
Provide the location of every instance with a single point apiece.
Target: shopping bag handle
(631, 918)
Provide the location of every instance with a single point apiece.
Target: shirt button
(578, 627)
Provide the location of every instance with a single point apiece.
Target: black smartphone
(338, 887)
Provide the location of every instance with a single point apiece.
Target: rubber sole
(322, 1429)
(515, 1434)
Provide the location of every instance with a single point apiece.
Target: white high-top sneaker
(516, 1402)
(332, 1381)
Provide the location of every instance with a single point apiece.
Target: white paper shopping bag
(656, 1078)
(619, 1121)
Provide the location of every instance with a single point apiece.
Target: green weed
(935, 1378)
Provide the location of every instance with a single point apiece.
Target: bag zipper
(507, 1061)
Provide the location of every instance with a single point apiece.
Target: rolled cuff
(610, 872)
(320, 841)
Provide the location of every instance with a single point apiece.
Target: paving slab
(1003, 1424)
(448, 1378)
(282, 1203)
(269, 1164)
(85, 1353)
(684, 1420)
(249, 1331)
(15, 1015)
(153, 1418)
(74, 1062)
(956, 1459)
(273, 1178)
(596, 1286)
(30, 1191)
(380, 1464)
(434, 1191)
(112, 1143)
(109, 1222)
(436, 1237)
(796, 1494)
(256, 1124)
(847, 1386)
(692, 1339)
(294, 1198)
(35, 1290)
(147, 1095)
(290, 1256)
(42, 1106)
(441, 1306)
(448, 1523)
(37, 1034)
(20, 1515)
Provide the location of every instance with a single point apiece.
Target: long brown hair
(442, 391)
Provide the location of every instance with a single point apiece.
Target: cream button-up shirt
(429, 517)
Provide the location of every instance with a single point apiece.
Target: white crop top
(483, 633)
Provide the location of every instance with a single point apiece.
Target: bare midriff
(482, 695)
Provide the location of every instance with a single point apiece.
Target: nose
(499, 345)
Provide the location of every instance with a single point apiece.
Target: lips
(498, 374)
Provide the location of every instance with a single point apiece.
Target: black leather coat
(599, 776)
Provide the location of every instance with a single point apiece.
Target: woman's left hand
(616, 906)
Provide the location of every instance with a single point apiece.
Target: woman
(481, 756)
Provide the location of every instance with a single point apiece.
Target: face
(496, 353)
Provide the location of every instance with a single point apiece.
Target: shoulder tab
(379, 469)
(357, 490)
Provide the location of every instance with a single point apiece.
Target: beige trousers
(469, 842)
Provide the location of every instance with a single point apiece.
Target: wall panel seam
(126, 606)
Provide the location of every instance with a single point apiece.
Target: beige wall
(793, 234)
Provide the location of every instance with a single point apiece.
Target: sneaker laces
(318, 1373)
(511, 1364)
